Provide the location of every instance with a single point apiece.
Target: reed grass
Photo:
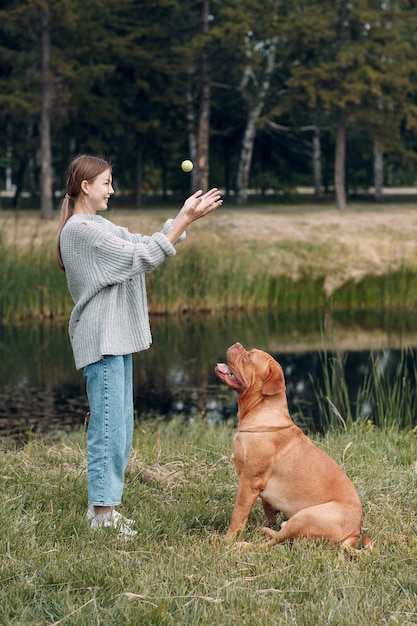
(201, 278)
(395, 289)
(386, 398)
(32, 285)
(180, 488)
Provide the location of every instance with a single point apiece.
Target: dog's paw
(268, 532)
(242, 545)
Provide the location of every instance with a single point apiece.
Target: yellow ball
(187, 166)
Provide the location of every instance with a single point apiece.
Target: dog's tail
(364, 543)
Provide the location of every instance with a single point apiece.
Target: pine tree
(352, 64)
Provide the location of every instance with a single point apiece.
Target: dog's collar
(267, 429)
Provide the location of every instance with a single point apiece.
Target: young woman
(105, 267)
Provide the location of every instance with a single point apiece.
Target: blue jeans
(109, 387)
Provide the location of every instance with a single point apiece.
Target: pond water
(40, 390)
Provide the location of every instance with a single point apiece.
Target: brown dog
(276, 461)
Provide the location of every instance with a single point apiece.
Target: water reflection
(40, 389)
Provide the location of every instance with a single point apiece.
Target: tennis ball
(187, 166)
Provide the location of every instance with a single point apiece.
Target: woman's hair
(83, 167)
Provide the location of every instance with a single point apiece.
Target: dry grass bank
(365, 239)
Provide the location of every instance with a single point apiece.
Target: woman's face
(99, 191)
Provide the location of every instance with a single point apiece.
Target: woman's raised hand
(200, 204)
(196, 206)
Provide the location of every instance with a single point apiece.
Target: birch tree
(47, 208)
(203, 146)
(378, 173)
(317, 164)
(255, 97)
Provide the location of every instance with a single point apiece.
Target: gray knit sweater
(105, 266)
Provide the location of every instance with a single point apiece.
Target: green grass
(31, 286)
(180, 487)
(205, 278)
(386, 397)
(396, 289)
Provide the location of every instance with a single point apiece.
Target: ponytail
(65, 214)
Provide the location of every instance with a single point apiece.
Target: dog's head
(253, 369)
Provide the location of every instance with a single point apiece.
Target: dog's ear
(274, 382)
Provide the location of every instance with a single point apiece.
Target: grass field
(181, 485)
(181, 481)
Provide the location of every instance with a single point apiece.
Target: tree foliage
(259, 93)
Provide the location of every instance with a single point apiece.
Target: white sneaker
(113, 519)
(118, 516)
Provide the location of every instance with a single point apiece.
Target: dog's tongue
(223, 368)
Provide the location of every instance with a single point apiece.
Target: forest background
(263, 96)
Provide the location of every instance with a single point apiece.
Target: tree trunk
(378, 173)
(47, 209)
(340, 148)
(19, 178)
(139, 175)
(339, 162)
(246, 153)
(204, 135)
(204, 119)
(317, 167)
(164, 181)
(249, 135)
(192, 139)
